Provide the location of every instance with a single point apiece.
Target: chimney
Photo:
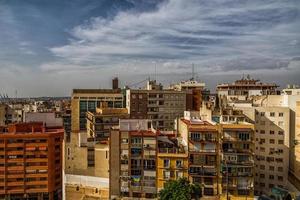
(115, 83)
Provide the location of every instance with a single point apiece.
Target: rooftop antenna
(193, 71)
(155, 71)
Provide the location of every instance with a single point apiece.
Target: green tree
(180, 189)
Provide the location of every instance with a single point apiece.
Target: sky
(47, 48)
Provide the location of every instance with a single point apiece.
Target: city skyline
(49, 48)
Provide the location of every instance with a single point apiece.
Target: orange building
(31, 161)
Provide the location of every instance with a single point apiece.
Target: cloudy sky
(49, 47)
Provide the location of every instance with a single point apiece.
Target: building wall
(102, 160)
(267, 142)
(2, 114)
(31, 159)
(172, 168)
(114, 164)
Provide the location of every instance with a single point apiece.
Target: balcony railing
(204, 139)
(170, 150)
(194, 150)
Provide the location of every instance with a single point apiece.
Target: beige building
(238, 155)
(2, 114)
(160, 105)
(100, 122)
(272, 145)
(133, 147)
(84, 155)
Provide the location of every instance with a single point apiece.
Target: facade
(155, 103)
(203, 139)
(2, 114)
(195, 93)
(49, 118)
(133, 147)
(272, 145)
(243, 90)
(31, 162)
(172, 159)
(238, 159)
(81, 150)
(100, 122)
(84, 100)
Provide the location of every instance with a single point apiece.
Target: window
(271, 177)
(271, 132)
(262, 132)
(280, 123)
(262, 175)
(280, 178)
(166, 174)
(271, 168)
(272, 114)
(271, 185)
(179, 163)
(262, 141)
(280, 169)
(262, 149)
(125, 141)
(280, 114)
(179, 174)
(272, 141)
(262, 167)
(262, 123)
(280, 133)
(262, 114)
(280, 141)
(167, 163)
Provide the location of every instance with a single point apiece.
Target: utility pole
(227, 180)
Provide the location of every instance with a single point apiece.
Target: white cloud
(207, 33)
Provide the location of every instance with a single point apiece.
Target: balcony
(210, 151)
(153, 167)
(148, 189)
(136, 188)
(203, 139)
(171, 150)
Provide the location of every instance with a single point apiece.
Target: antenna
(155, 71)
(193, 71)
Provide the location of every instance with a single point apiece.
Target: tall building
(31, 162)
(272, 144)
(160, 105)
(203, 140)
(238, 155)
(133, 153)
(172, 159)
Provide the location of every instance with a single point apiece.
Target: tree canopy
(180, 189)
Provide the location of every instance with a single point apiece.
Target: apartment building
(81, 149)
(238, 155)
(172, 159)
(203, 141)
(272, 145)
(133, 153)
(160, 105)
(84, 100)
(243, 90)
(196, 93)
(100, 122)
(31, 161)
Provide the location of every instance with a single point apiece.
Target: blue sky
(50, 47)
